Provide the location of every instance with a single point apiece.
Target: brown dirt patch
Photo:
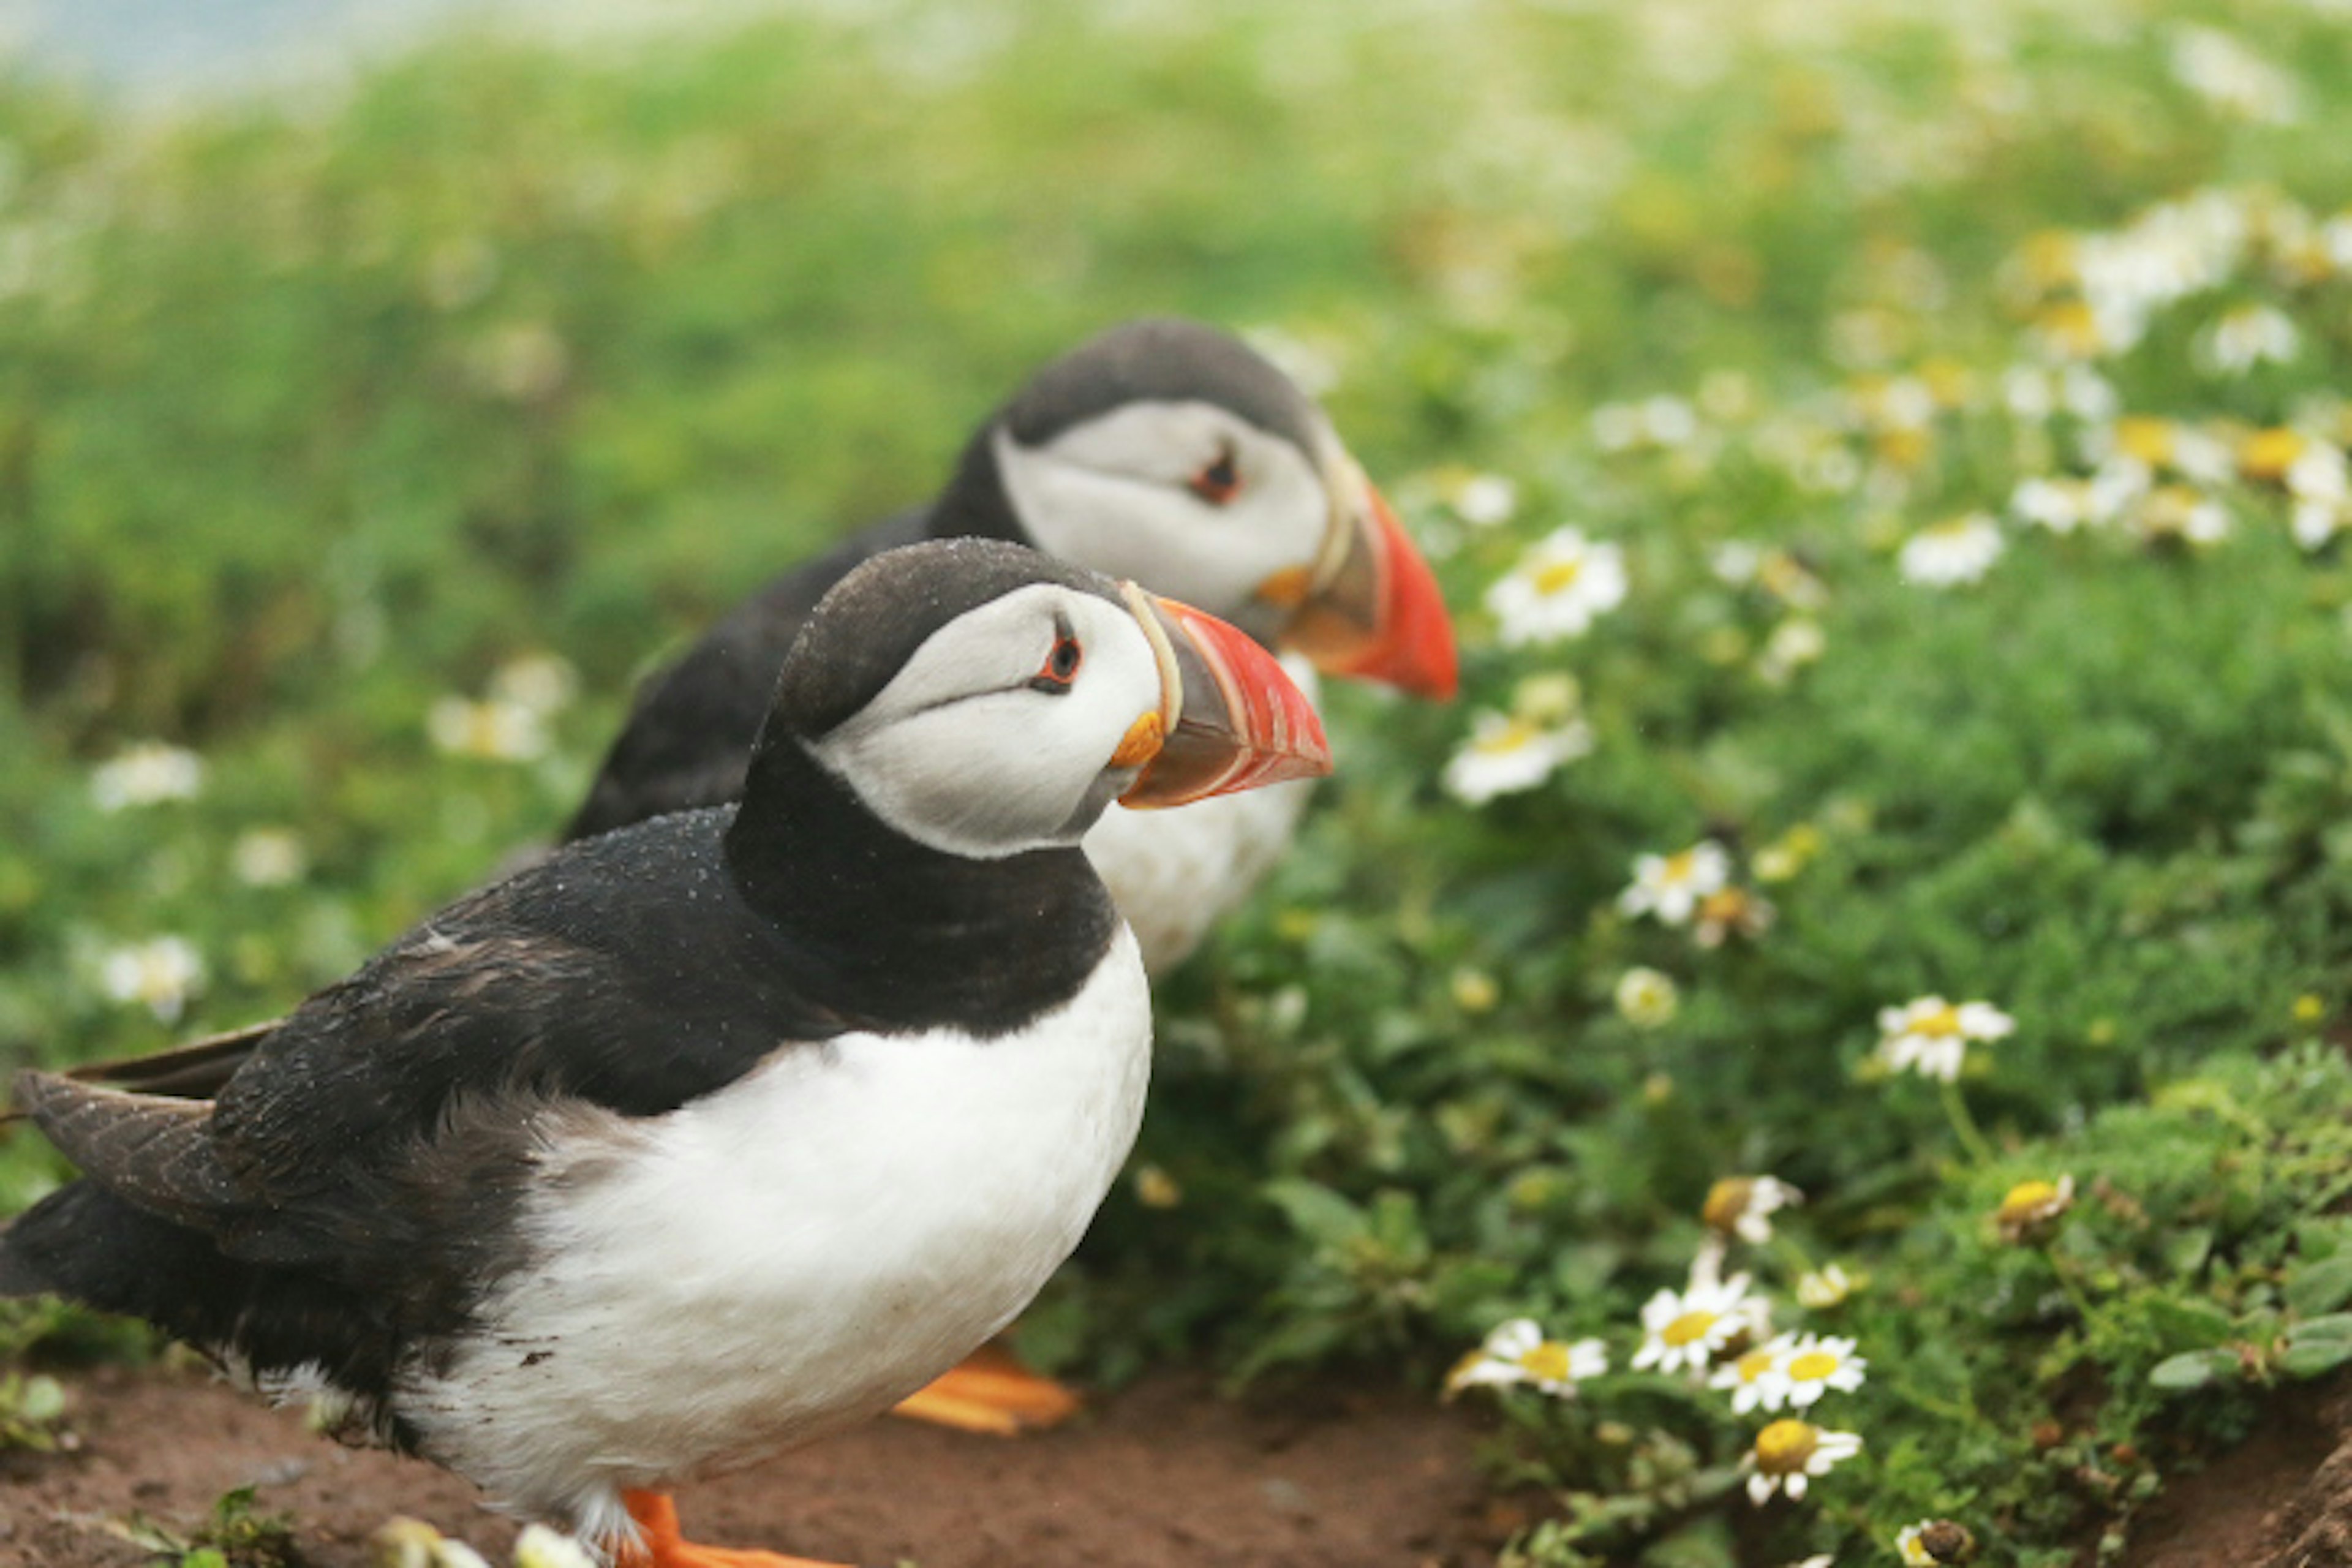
(1165, 1473)
(2283, 1499)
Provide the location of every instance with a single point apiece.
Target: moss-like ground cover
(1889, 471)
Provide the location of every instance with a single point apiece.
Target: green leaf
(2309, 1358)
(1320, 1215)
(2190, 1324)
(2334, 1326)
(2320, 1286)
(2192, 1368)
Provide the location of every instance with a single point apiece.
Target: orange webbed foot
(663, 1547)
(993, 1393)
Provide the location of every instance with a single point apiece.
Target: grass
(317, 416)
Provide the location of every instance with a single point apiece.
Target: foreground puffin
(1162, 450)
(711, 1135)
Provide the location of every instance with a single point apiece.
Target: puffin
(705, 1137)
(1162, 450)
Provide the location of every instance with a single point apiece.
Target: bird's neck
(894, 934)
(975, 503)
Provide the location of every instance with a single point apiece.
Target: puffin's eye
(1219, 483)
(1061, 666)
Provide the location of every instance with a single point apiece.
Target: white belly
(795, 1253)
(1176, 873)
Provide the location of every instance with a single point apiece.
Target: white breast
(790, 1255)
(1176, 873)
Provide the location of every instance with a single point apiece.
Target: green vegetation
(365, 450)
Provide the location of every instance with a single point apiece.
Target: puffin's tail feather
(150, 1150)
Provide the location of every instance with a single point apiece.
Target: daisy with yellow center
(1820, 1290)
(1744, 1206)
(1683, 1329)
(1934, 1543)
(163, 973)
(1789, 1454)
(1557, 588)
(1646, 998)
(2033, 1209)
(1815, 1364)
(1930, 1035)
(1729, 910)
(1753, 1377)
(1517, 1352)
(1670, 887)
(1508, 754)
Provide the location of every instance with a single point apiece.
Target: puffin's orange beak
(1372, 609)
(1228, 718)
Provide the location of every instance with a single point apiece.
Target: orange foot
(657, 1516)
(992, 1392)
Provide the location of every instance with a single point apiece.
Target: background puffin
(1162, 450)
(708, 1136)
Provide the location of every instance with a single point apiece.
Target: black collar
(899, 936)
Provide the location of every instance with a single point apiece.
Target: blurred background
(384, 389)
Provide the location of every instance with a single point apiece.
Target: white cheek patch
(960, 753)
(1114, 494)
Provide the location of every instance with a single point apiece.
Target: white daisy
(1815, 1364)
(1932, 1542)
(267, 857)
(163, 973)
(499, 731)
(1670, 887)
(1685, 1328)
(1646, 998)
(1506, 755)
(1754, 1378)
(1485, 500)
(2248, 336)
(1930, 1035)
(1822, 1288)
(147, 773)
(1557, 588)
(540, 1547)
(1948, 554)
(1517, 1352)
(1744, 1206)
(1788, 1453)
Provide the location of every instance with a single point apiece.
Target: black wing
(391, 1111)
(689, 736)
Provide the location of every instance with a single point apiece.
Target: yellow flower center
(2029, 1198)
(1678, 866)
(1943, 1021)
(1782, 1448)
(1688, 1329)
(1727, 1202)
(1812, 1367)
(2148, 440)
(1558, 577)
(1514, 734)
(1548, 1361)
(2269, 454)
(1754, 1365)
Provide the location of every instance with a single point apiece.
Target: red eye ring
(1219, 483)
(1061, 666)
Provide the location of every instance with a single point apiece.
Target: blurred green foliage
(319, 413)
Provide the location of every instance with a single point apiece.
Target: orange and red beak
(1370, 607)
(1228, 719)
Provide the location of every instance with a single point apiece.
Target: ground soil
(1162, 1474)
